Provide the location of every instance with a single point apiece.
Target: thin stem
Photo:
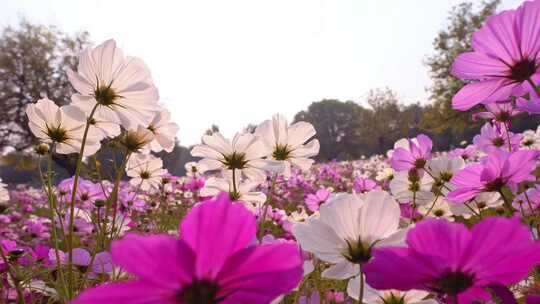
(536, 89)
(507, 131)
(361, 293)
(113, 198)
(507, 203)
(71, 282)
(52, 206)
(265, 208)
(234, 181)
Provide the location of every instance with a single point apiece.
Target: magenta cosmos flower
(496, 137)
(505, 59)
(314, 201)
(215, 261)
(362, 185)
(411, 153)
(454, 262)
(494, 171)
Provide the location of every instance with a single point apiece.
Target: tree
(464, 20)
(338, 128)
(33, 64)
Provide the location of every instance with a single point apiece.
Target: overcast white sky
(235, 62)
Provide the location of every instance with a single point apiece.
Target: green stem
(507, 131)
(265, 209)
(361, 293)
(52, 206)
(113, 198)
(71, 281)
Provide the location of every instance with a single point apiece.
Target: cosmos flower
(498, 112)
(62, 126)
(439, 208)
(480, 202)
(412, 186)
(243, 191)
(362, 184)
(504, 61)
(391, 296)
(290, 144)
(348, 228)
(137, 141)
(451, 261)
(187, 270)
(528, 201)
(145, 171)
(442, 169)
(194, 169)
(496, 137)
(244, 153)
(411, 153)
(164, 132)
(495, 171)
(314, 201)
(87, 191)
(466, 153)
(531, 139)
(121, 88)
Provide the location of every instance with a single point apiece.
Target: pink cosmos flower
(501, 112)
(495, 137)
(505, 58)
(411, 153)
(87, 191)
(454, 262)
(528, 201)
(313, 201)
(362, 185)
(214, 260)
(495, 171)
(465, 153)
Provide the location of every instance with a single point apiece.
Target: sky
(238, 62)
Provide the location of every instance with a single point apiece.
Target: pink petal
(247, 274)
(134, 292)
(475, 93)
(160, 259)
(216, 230)
(475, 65)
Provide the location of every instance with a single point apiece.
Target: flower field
(257, 220)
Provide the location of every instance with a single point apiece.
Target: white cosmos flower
(439, 208)
(145, 170)
(443, 168)
(482, 201)
(103, 125)
(531, 139)
(348, 226)
(384, 174)
(243, 154)
(374, 296)
(244, 191)
(289, 143)
(164, 132)
(408, 187)
(138, 140)
(122, 87)
(63, 126)
(194, 169)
